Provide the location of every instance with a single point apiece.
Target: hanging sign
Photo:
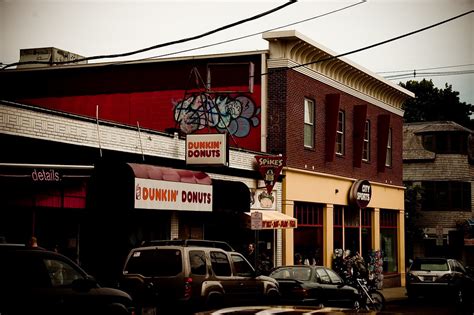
(270, 168)
(207, 149)
(361, 193)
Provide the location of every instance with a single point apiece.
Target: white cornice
(290, 49)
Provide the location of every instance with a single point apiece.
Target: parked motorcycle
(354, 271)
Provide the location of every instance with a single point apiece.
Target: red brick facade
(287, 91)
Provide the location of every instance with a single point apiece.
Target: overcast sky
(98, 27)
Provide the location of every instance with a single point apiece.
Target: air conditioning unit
(47, 54)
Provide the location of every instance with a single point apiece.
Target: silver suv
(192, 275)
(439, 276)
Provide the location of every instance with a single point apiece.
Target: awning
(272, 220)
(144, 186)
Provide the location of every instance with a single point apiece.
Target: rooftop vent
(48, 54)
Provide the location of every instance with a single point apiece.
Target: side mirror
(84, 284)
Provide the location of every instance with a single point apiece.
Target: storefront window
(309, 234)
(338, 239)
(388, 240)
(351, 229)
(366, 232)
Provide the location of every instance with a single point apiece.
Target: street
(425, 306)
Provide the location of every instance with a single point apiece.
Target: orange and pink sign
(168, 195)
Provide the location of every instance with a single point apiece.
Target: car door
(335, 291)
(247, 287)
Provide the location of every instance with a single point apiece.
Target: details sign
(207, 149)
(167, 195)
(270, 168)
(361, 193)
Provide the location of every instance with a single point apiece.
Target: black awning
(115, 185)
(230, 196)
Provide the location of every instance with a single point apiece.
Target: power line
(414, 75)
(238, 38)
(382, 42)
(159, 45)
(433, 68)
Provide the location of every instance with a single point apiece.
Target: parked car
(313, 285)
(439, 276)
(192, 275)
(37, 281)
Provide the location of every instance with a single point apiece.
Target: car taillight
(446, 278)
(412, 278)
(188, 290)
(299, 291)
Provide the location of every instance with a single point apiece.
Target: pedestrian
(250, 254)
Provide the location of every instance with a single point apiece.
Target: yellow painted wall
(316, 187)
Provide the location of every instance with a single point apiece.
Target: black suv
(192, 275)
(37, 281)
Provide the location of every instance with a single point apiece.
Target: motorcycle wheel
(378, 303)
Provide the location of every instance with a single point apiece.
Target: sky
(102, 27)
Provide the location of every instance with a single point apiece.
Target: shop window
(309, 234)
(366, 231)
(388, 240)
(338, 239)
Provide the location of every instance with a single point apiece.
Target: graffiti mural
(236, 115)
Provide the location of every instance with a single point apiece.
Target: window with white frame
(308, 123)
(388, 159)
(366, 145)
(340, 133)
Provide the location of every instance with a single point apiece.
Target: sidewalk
(394, 294)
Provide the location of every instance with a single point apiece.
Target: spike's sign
(270, 168)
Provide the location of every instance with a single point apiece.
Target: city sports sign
(270, 168)
(361, 193)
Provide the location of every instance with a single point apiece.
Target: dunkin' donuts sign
(206, 149)
(167, 195)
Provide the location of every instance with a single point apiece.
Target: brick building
(437, 157)
(338, 125)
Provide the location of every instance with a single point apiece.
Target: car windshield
(155, 262)
(296, 273)
(431, 265)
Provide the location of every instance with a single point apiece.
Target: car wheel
(272, 298)
(214, 301)
(459, 296)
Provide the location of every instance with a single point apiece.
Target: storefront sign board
(207, 149)
(270, 168)
(168, 195)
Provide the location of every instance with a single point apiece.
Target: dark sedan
(313, 285)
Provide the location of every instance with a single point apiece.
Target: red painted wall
(157, 95)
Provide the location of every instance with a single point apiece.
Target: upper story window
(308, 123)
(388, 159)
(447, 143)
(341, 125)
(444, 195)
(366, 145)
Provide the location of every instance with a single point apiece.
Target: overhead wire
(432, 68)
(159, 45)
(379, 43)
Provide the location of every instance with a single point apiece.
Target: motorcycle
(369, 297)
(355, 273)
